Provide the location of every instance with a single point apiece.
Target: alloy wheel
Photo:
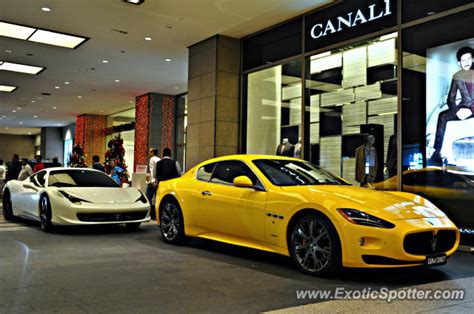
(311, 245)
(45, 215)
(170, 221)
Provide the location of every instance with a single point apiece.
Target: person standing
(96, 163)
(56, 162)
(167, 168)
(152, 185)
(38, 165)
(116, 171)
(14, 168)
(3, 172)
(26, 170)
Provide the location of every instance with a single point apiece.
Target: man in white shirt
(26, 170)
(152, 186)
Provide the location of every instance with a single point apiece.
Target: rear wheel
(45, 214)
(133, 226)
(314, 246)
(172, 223)
(7, 206)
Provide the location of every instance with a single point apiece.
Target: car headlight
(360, 218)
(142, 198)
(72, 198)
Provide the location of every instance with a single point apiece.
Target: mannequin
(297, 153)
(285, 148)
(391, 163)
(366, 162)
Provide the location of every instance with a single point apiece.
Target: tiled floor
(90, 270)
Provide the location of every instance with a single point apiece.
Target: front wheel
(315, 246)
(45, 214)
(172, 223)
(7, 207)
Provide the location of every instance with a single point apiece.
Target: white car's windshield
(80, 178)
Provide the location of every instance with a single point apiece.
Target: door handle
(206, 193)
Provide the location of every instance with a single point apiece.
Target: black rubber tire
(171, 215)
(332, 262)
(133, 226)
(45, 214)
(7, 207)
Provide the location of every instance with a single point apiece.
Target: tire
(314, 246)
(172, 223)
(45, 214)
(133, 226)
(7, 207)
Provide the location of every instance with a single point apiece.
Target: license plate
(435, 260)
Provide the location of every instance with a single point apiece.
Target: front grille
(98, 217)
(427, 243)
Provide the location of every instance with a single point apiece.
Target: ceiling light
(45, 9)
(67, 83)
(7, 89)
(57, 87)
(6, 128)
(105, 61)
(59, 124)
(21, 68)
(19, 108)
(117, 81)
(137, 2)
(8, 51)
(21, 122)
(55, 108)
(176, 87)
(29, 133)
(40, 35)
(79, 97)
(147, 38)
(36, 117)
(168, 60)
(33, 101)
(15, 31)
(56, 39)
(130, 101)
(13, 111)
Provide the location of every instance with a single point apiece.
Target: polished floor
(95, 270)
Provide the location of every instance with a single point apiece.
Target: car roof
(247, 157)
(69, 169)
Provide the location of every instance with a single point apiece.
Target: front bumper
(384, 248)
(67, 213)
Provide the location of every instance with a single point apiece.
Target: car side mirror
(243, 182)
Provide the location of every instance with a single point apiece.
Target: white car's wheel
(45, 214)
(7, 206)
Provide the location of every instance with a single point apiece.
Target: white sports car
(74, 196)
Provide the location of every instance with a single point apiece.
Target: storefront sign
(351, 19)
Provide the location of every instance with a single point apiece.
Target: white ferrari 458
(74, 196)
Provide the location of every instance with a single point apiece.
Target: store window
(350, 110)
(274, 110)
(438, 115)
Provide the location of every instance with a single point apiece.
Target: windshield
(80, 178)
(292, 172)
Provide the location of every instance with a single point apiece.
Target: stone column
(213, 99)
(90, 133)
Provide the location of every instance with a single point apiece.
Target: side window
(205, 172)
(227, 171)
(38, 179)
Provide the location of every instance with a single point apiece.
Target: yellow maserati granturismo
(291, 207)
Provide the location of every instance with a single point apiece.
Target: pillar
(90, 133)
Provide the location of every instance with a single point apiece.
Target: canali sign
(351, 19)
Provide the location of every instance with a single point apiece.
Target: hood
(388, 205)
(105, 195)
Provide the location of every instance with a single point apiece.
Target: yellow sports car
(291, 207)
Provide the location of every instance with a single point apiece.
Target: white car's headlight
(72, 198)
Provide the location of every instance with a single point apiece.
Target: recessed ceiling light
(21, 122)
(67, 83)
(57, 87)
(36, 117)
(15, 31)
(29, 133)
(40, 35)
(176, 87)
(147, 38)
(19, 108)
(13, 111)
(21, 68)
(79, 97)
(8, 51)
(130, 101)
(137, 2)
(105, 61)
(45, 9)
(6, 128)
(168, 60)
(117, 81)
(55, 108)
(33, 101)
(7, 89)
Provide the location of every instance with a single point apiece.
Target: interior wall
(23, 145)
